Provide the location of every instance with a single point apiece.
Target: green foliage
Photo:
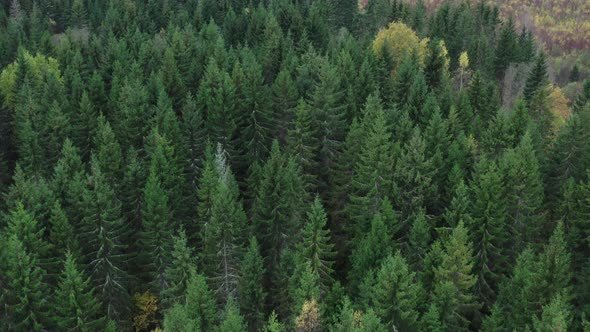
(178, 273)
(154, 241)
(102, 234)
(75, 307)
(395, 295)
(223, 235)
(315, 248)
(453, 293)
(250, 290)
(24, 293)
(232, 320)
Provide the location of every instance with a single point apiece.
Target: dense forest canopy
(287, 165)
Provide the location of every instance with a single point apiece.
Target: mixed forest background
(289, 165)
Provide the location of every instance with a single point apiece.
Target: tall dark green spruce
(76, 308)
(103, 233)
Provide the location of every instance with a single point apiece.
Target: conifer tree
(164, 161)
(556, 316)
(518, 296)
(524, 192)
(303, 145)
(304, 286)
(582, 98)
(273, 324)
(459, 209)
(179, 272)
(537, 78)
(84, 126)
(232, 320)
(370, 251)
(132, 123)
(555, 267)
(315, 247)
(108, 151)
(488, 229)
(216, 101)
(200, 304)
(28, 231)
(193, 135)
(569, 155)
(277, 208)
(61, 236)
(67, 182)
(223, 235)
(24, 293)
(395, 294)
(413, 178)
(250, 290)
(371, 182)
(76, 308)
(205, 193)
(506, 51)
(455, 272)
(283, 99)
(103, 233)
(134, 178)
(154, 243)
(326, 103)
(177, 319)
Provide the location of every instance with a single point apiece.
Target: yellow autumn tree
(147, 306)
(309, 318)
(558, 106)
(39, 66)
(463, 65)
(398, 40)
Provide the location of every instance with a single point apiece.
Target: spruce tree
(370, 251)
(68, 181)
(315, 247)
(205, 193)
(304, 286)
(555, 267)
(277, 208)
(193, 135)
(395, 294)
(303, 145)
(76, 308)
(537, 78)
(326, 103)
(413, 174)
(24, 293)
(216, 101)
(556, 316)
(250, 290)
(154, 243)
(178, 273)
(200, 304)
(459, 209)
(223, 234)
(283, 99)
(488, 230)
(524, 192)
(28, 231)
(85, 126)
(103, 232)
(455, 272)
(62, 237)
(232, 320)
(371, 182)
(506, 51)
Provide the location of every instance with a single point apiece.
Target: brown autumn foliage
(562, 25)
